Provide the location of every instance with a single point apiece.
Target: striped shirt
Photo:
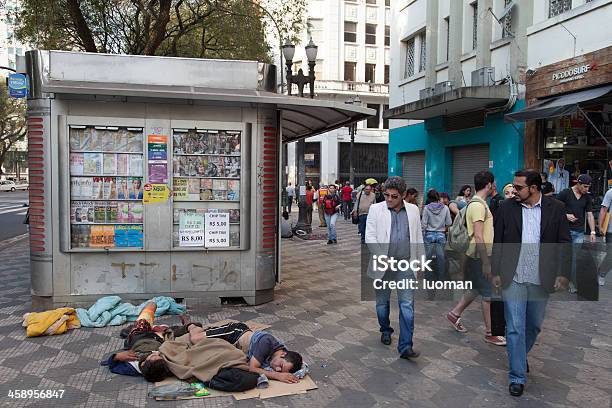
(528, 267)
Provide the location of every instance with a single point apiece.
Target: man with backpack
(331, 205)
(472, 234)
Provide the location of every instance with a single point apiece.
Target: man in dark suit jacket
(529, 262)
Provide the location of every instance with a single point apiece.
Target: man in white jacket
(393, 229)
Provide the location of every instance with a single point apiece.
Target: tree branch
(81, 26)
(159, 28)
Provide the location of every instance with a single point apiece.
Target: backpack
(458, 238)
(329, 203)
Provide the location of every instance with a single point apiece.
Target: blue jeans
(406, 314)
(524, 309)
(330, 220)
(434, 244)
(577, 239)
(363, 218)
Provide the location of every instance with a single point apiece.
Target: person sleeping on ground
(265, 353)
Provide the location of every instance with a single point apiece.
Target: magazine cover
(201, 143)
(75, 138)
(123, 212)
(92, 164)
(107, 140)
(122, 137)
(201, 165)
(100, 212)
(110, 188)
(111, 211)
(123, 164)
(80, 236)
(110, 164)
(232, 167)
(134, 142)
(234, 216)
(135, 188)
(219, 184)
(136, 212)
(234, 141)
(87, 212)
(213, 142)
(193, 189)
(135, 165)
(86, 187)
(75, 212)
(123, 188)
(220, 195)
(206, 183)
(75, 188)
(177, 143)
(121, 236)
(135, 236)
(76, 164)
(212, 169)
(97, 189)
(235, 238)
(206, 195)
(233, 190)
(97, 236)
(179, 189)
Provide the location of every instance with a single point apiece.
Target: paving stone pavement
(317, 310)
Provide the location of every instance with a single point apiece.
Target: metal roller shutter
(467, 161)
(413, 171)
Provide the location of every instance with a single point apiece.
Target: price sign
(216, 230)
(191, 230)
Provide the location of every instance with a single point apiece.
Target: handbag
(498, 319)
(355, 218)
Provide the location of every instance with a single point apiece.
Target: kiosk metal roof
(211, 81)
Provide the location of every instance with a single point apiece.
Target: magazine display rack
(207, 167)
(106, 187)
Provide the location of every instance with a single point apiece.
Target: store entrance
(578, 139)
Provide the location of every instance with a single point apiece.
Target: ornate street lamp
(300, 79)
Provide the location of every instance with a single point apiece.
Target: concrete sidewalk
(317, 311)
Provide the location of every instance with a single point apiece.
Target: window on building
(371, 1)
(409, 58)
(350, 71)
(388, 3)
(373, 122)
(556, 7)
(474, 24)
(296, 67)
(370, 33)
(387, 36)
(385, 121)
(370, 73)
(350, 31)
(315, 29)
(423, 56)
(507, 23)
(447, 25)
(10, 50)
(386, 74)
(19, 51)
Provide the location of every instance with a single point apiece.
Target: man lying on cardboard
(264, 353)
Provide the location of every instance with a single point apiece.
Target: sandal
(455, 321)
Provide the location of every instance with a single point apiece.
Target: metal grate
(556, 7)
(474, 25)
(409, 61)
(507, 28)
(423, 56)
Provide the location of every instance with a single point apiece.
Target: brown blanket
(202, 360)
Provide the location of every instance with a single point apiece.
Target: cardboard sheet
(276, 389)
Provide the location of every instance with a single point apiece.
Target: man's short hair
(545, 175)
(532, 177)
(396, 183)
(294, 358)
(412, 191)
(482, 178)
(155, 370)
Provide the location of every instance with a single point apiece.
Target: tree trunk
(159, 28)
(81, 26)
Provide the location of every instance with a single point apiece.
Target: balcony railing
(348, 86)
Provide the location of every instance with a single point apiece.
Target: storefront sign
(158, 173)
(217, 230)
(18, 85)
(573, 74)
(191, 230)
(155, 193)
(309, 159)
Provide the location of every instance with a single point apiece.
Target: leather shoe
(410, 353)
(516, 389)
(385, 338)
(527, 365)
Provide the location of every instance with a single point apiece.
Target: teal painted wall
(505, 148)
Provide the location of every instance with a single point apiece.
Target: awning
(558, 106)
(456, 101)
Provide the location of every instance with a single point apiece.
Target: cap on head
(584, 179)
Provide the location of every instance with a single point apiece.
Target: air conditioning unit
(483, 77)
(426, 93)
(443, 87)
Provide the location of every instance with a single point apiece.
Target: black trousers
(230, 332)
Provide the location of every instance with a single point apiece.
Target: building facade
(461, 69)
(352, 62)
(10, 47)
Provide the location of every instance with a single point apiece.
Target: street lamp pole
(352, 130)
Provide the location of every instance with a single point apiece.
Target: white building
(353, 60)
(10, 48)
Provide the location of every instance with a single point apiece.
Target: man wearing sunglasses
(578, 206)
(529, 262)
(393, 228)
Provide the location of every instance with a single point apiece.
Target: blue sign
(18, 85)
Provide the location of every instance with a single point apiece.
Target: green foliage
(12, 123)
(228, 29)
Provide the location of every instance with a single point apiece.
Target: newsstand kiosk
(159, 176)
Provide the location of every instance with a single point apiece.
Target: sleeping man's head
(283, 361)
(154, 368)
